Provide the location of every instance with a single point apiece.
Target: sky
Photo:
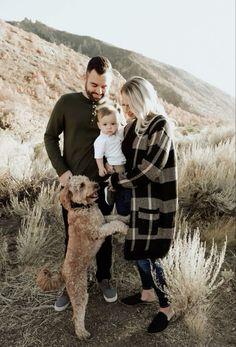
(195, 35)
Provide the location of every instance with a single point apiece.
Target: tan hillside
(174, 85)
(33, 75)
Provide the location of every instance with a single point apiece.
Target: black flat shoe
(159, 323)
(135, 300)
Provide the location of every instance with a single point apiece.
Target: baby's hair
(106, 110)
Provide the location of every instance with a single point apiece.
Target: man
(74, 115)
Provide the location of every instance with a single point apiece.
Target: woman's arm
(158, 151)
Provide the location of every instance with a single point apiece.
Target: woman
(150, 174)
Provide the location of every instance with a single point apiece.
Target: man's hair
(106, 110)
(99, 64)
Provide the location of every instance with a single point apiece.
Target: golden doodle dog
(87, 231)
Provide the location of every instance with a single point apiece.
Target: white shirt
(109, 146)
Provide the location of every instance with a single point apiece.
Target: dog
(87, 231)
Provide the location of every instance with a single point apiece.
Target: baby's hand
(109, 168)
(102, 172)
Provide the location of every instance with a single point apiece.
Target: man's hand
(65, 177)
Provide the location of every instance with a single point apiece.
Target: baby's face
(108, 124)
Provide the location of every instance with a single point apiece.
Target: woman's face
(129, 115)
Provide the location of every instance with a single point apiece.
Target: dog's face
(83, 190)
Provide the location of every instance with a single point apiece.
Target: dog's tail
(48, 281)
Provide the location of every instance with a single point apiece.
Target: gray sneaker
(62, 302)
(109, 293)
(109, 196)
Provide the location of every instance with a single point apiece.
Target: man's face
(97, 86)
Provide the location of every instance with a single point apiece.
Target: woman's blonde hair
(143, 102)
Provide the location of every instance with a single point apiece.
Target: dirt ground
(27, 317)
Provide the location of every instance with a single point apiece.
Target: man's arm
(51, 137)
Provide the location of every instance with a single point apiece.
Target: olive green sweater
(74, 116)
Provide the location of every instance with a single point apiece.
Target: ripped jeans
(146, 268)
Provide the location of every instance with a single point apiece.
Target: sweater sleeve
(158, 149)
(51, 137)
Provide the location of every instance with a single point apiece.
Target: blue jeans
(146, 268)
(123, 201)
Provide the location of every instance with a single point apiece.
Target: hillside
(33, 75)
(175, 86)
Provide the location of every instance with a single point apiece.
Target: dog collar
(75, 205)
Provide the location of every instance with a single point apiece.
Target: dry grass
(17, 190)
(219, 228)
(192, 277)
(48, 199)
(36, 212)
(207, 199)
(197, 321)
(33, 237)
(3, 252)
(207, 180)
(26, 307)
(20, 208)
(186, 137)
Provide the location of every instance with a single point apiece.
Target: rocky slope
(175, 86)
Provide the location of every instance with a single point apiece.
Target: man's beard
(91, 97)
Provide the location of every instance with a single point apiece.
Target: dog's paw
(120, 227)
(117, 217)
(82, 334)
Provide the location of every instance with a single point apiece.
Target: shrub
(207, 180)
(192, 277)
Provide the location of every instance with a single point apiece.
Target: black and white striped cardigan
(153, 180)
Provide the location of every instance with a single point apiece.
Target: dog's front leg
(117, 217)
(112, 227)
(77, 291)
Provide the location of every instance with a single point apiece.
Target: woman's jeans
(148, 269)
(123, 201)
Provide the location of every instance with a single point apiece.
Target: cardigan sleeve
(158, 150)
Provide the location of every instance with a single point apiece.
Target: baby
(108, 143)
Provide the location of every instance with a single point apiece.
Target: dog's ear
(65, 197)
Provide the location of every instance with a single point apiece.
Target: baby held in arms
(108, 143)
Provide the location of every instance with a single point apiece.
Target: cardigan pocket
(148, 221)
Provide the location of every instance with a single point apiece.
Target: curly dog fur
(87, 231)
